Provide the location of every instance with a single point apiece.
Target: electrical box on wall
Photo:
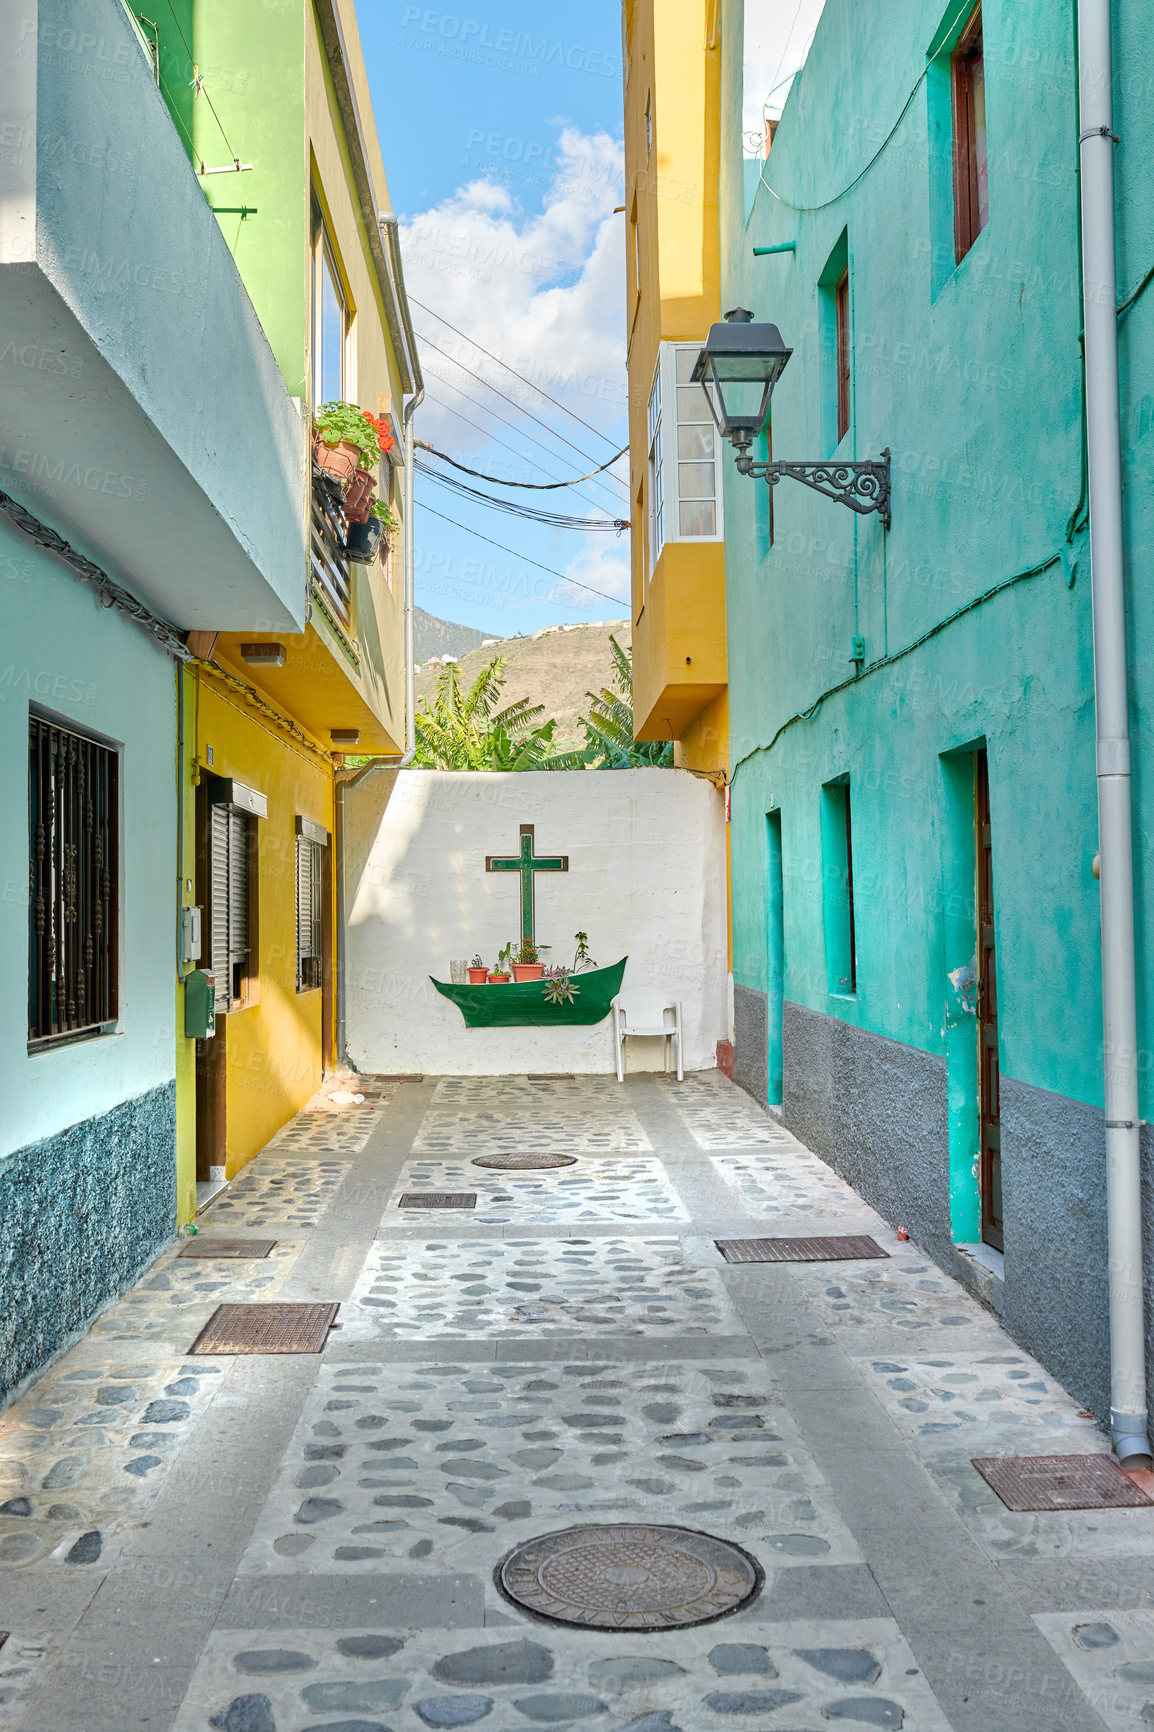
(189, 935)
(200, 1005)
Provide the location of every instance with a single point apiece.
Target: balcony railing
(330, 565)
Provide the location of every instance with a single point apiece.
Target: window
(837, 889)
(232, 903)
(971, 174)
(841, 316)
(696, 453)
(330, 320)
(311, 844)
(74, 883)
(683, 467)
(656, 473)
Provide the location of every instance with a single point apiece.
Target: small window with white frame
(331, 320)
(684, 470)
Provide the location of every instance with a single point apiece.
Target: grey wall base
(751, 1042)
(80, 1215)
(876, 1110)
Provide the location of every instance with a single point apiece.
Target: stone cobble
(719, 1116)
(452, 1465)
(804, 1677)
(609, 1188)
(790, 1182)
(277, 1193)
(535, 1287)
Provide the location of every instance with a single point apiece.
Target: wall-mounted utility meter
(189, 936)
(200, 1005)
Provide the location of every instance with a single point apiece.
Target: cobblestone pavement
(308, 1543)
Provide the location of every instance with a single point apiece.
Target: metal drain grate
(271, 1328)
(552, 1076)
(203, 1246)
(1040, 1482)
(524, 1163)
(397, 1079)
(843, 1248)
(438, 1200)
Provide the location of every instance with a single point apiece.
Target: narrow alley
(304, 1542)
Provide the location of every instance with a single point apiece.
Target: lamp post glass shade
(739, 367)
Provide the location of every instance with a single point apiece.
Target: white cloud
(605, 568)
(545, 291)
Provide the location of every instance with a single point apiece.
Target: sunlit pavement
(297, 1542)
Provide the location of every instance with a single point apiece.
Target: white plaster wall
(646, 880)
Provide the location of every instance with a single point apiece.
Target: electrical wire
(515, 508)
(812, 209)
(431, 397)
(576, 582)
(512, 400)
(200, 83)
(539, 389)
(538, 486)
(521, 434)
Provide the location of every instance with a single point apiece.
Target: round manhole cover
(629, 1577)
(524, 1163)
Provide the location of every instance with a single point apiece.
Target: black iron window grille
(74, 889)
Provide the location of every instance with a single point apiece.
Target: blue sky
(500, 126)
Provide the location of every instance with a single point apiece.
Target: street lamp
(738, 368)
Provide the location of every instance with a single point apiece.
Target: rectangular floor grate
(1040, 1482)
(844, 1248)
(272, 1328)
(398, 1079)
(203, 1246)
(438, 1200)
(551, 1076)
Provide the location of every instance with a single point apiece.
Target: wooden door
(989, 1107)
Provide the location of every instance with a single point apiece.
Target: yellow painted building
(269, 718)
(672, 265)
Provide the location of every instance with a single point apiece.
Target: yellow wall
(274, 1046)
(679, 636)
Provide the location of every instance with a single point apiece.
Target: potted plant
(359, 499)
(500, 975)
(560, 987)
(344, 440)
(363, 539)
(478, 973)
(527, 964)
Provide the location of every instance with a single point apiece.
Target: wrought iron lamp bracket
(864, 487)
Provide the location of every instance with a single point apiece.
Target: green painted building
(917, 979)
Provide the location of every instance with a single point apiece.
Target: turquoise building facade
(885, 685)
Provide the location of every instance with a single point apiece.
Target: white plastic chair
(642, 1010)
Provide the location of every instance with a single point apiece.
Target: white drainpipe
(1128, 1417)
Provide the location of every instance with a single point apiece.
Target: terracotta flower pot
(338, 463)
(478, 976)
(528, 970)
(359, 499)
(498, 980)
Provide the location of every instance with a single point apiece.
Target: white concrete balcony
(142, 414)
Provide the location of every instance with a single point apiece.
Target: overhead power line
(531, 438)
(539, 389)
(515, 507)
(560, 575)
(537, 486)
(496, 389)
(431, 397)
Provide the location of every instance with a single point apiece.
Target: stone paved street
(307, 1543)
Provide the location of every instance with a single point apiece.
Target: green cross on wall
(526, 864)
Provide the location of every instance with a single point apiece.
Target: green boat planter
(523, 1005)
